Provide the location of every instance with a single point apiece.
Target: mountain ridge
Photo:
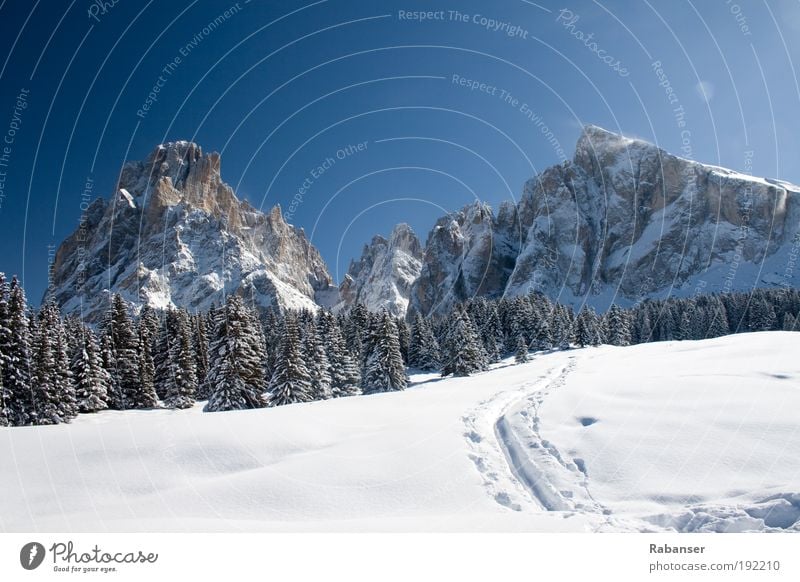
(622, 221)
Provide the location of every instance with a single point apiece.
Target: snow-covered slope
(682, 435)
(383, 276)
(175, 234)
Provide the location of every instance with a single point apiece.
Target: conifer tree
(17, 371)
(761, 314)
(685, 326)
(619, 332)
(6, 414)
(404, 337)
(124, 343)
(521, 355)
(5, 400)
(236, 373)
(291, 380)
(462, 351)
(317, 363)
(644, 328)
(789, 322)
(52, 390)
(423, 350)
(587, 332)
(176, 370)
(200, 348)
(356, 328)
(345, 376)
(717, 318)
(91, 379)
(384, 370)
(108, 361)
(147, 334)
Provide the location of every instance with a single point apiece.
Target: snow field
(686, 436)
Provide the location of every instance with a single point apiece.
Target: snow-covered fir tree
(147, 333)
(587, 331)
(384, 370)
(316, 359)
(685, 326)
(462, 352)
(200, 347)
(345, 375)
(761, 314)
(175, 372)
(521, 355)
(52, 389)
(356, 332)
(423, 349)
(127, 389)
(403, 336)
(789, 322)
(717, 318)
(236, 373)
(5, 337)
(17, 369)
(91, 379)
(618, 326)
(291, 380)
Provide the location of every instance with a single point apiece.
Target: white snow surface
(687, 436)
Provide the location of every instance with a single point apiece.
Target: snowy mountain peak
(176, 235)
(383, 276)
(624, 221)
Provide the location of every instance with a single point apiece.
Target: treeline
(236, 357)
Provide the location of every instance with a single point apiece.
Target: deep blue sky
(278, 97)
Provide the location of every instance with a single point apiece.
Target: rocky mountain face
(622, 221)
(383, 276)
(175, 234)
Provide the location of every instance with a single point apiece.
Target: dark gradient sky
(279, 87)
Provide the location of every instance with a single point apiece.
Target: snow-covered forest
(236, 357)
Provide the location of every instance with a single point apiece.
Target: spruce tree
(789, 322)
(587, 332)
(5, 400)
(423, 350)
(291, 380)
(317, 363)
(6, 415)
(124, 343)
(644, 327)
(17, 371)
(109, 362)
(384, 370)
(356, 328)
(147, 334)
(404, 337)
(619, 331)
(345, 376)
(176, 371)
(91, 379)
(685, 326)
(200, 347)
(521, 355)
(462, 351)
(761, 315)
(236, 373)
(717, 318)
(53, 392)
